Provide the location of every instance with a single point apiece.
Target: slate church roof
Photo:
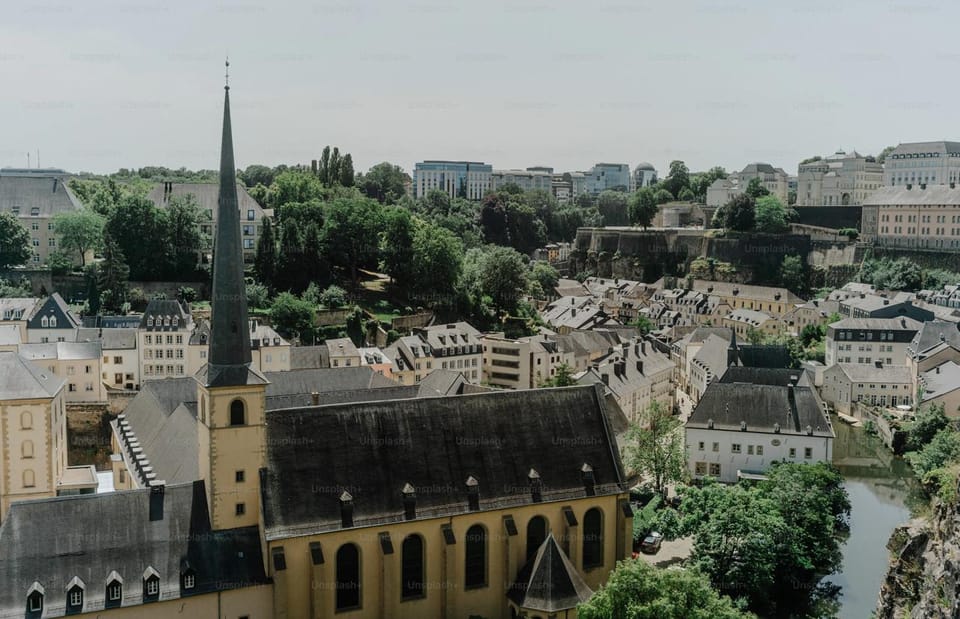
(51, 541)
(549, 583)
(373, 450)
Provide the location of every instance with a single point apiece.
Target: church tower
(231, 395)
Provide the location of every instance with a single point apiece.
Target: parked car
(651, 543)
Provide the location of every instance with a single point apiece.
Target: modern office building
(459, 179)
(608, 176)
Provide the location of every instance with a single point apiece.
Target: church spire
(229, 337)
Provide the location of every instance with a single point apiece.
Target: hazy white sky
(101, 85)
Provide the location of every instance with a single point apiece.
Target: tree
(396, 245)
(346, 178)
(314, 265)
(184, 239)
(943, 449)
(258, 295)
(141, 232)
(503, 277)
(384, 182)
(656, 447)
(755, 189)
(323, 169)
(699, 183)
(644, 325)
(257, 174)
(14, 242)
(437, 259)
(740, 213)
(79, 231)
(643, 207)
(739, 545)
(677, 179)
(686, 195)
(662, 196)
(882, 157)
(294, 186)
(93, 290)
(562, 378)
(113, 274)
(351, 234)
(291, 316)
(59, 262)
(265, 260)
(290, 274)
(545, 276)
(792, 276)
(333, 297)
(613, 207)
(771, 215)
(930, 420)
(637, 590)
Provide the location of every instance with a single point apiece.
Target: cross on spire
(226, 75)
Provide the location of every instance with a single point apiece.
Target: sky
(96, 86)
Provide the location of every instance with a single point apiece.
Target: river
(878, 485)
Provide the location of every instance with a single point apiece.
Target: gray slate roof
(372, 450)
(899, 194)
(762, 407)
(110, 338)
(309, 357)
(50, 194)
(933, 334)
(21, 380)
(549, 583)
(51, 541)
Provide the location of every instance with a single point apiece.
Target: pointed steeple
(733, 351)
(229, 357)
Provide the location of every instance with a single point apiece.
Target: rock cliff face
(924, 576)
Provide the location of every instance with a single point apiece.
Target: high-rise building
(923, 163)
(459, 179)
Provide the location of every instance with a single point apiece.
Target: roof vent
(743, 426)
(346, 510)
(409, 502)
(536, 486)
(776, 428)
(589, 482)
(315, 398)
(473, 493)
(809, 430)
(710, 424)
(157, 489)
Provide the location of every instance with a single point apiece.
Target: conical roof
(549, 582)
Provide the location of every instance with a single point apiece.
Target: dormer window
(53, 321)
(75, 590)
(175, 321)
(35, 599)
(44, 322)
(151, 585)
(114, 590)
(149, 321)
(166, 321)
(189, 579)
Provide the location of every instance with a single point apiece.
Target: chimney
(315, 398)
(409, 502)
(473, 493)
(346, 510)
(536, 486)
(886, 301)
(573, 313)
(589, 483)
(157, 491)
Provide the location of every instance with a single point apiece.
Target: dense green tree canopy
(643, 207)
(771, 215)
(14, 242)
(352, 234)
(677, 178)
(292, 317)
(79, 231)
(655, 447)
(637, 590)
(384, 182)
(740, 213)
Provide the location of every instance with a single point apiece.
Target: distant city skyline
(515, 84)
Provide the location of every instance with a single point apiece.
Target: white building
(873, 385)
(741, 428)
(842, 179)
(869, 340)
(927, 163)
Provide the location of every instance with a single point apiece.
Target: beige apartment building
(163, 339)
(35, 196)
(79, 364)
(918, 216)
